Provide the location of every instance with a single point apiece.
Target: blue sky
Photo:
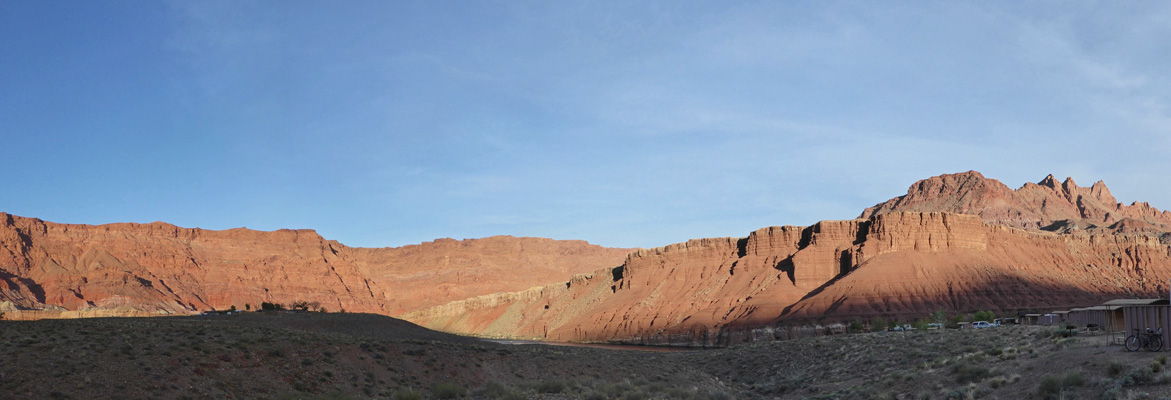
(625, 123)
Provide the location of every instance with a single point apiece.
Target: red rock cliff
(161, 268)
(1046, 205)
(892, 264)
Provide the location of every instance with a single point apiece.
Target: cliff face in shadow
(892, 264)
(158, 268)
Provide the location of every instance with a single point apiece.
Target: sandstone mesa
(157, 268)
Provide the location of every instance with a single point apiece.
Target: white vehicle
(981, 325)
(904, 327)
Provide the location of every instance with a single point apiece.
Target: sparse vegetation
(1114, 369)
(408, 394)
(551, 386)
(303, 355)
(970, 373)
(448, 390)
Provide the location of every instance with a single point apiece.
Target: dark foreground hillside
(342, 356)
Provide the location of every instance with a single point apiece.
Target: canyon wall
(958, 242)
(65, 270)
(891, 264)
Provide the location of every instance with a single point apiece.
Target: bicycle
(1152, 340)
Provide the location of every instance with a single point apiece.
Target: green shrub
(447, 391)
(636, 395)
(1049, 387)
(1140, 375)
(551, 386)
(1112, 393)
(408, 394)
(968, 373)
(984, 316)
(496, 390)
(856, 326)
(1114, 369)
(1009, 353)
(1073, 378)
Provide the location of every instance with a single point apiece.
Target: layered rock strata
(891, 264)
(1046, 205)
(130, 269)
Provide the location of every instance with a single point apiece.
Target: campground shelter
(1140, 314)
(1048, 319)
(1104, 317)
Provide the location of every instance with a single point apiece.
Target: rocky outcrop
(891, 264)
(1046, 205)
(129, 269)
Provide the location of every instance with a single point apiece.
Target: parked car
(982, 324)
(904, 327)
(935, 325)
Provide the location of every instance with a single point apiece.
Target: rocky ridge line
(67, 270)
(891, 264)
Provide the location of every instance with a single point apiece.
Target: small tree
(879, 324)
(232, 308)
(247, 307)
(856, 326)
(940, 317)
(266, 306)
(985, 316)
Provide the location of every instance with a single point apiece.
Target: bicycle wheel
(1133, 343)
(1155, 343)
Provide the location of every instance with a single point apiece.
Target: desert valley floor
(358, 356)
